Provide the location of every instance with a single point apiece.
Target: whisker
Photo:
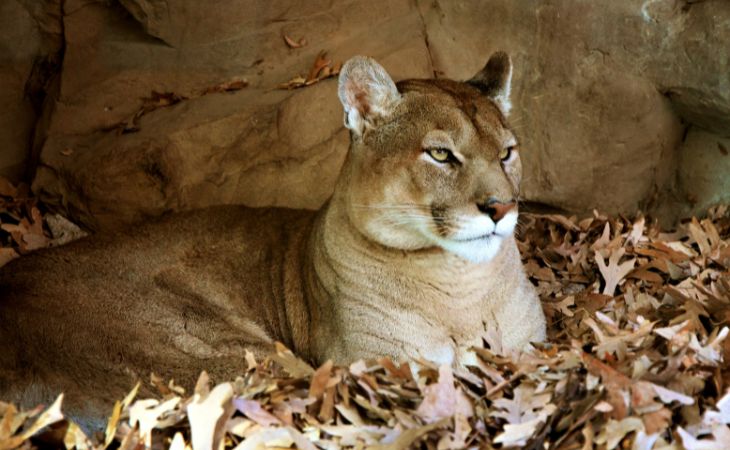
(395, 207)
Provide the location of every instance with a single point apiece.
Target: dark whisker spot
(439, 219)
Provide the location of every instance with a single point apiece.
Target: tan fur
(366, 276)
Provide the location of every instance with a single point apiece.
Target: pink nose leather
(496, 210)
(501, 210)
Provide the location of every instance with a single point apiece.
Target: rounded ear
(495, 80)
(366, 92)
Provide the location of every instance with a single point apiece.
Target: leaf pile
(636, 360)
(24, 227)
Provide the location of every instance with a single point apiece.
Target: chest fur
(431, 306)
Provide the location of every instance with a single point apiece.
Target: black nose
(496, 209)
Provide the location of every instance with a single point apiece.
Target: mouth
(481, 237)
(477, 238)
(478, 249)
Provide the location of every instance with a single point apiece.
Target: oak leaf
(443, 400)
(614, 272)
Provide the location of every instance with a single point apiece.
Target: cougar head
(432, 163)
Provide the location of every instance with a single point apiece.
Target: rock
(258, 146)
(47, 15)
(221, 148)
(602, 97)
(687, 54)
(597, 131)
(21, 43)
(704, 165)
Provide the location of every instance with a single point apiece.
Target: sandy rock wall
(259, 145)
(620, 106)
(604, 94)
(31, 44)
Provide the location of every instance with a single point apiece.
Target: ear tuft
(495, 80)
(366, 92)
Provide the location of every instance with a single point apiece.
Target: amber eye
(441, 155)
(506, 153)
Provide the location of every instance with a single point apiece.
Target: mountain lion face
(433, 163)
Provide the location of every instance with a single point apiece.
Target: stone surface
(603, 95)
(20, 43)
(597, 130)
(704, 170)
(258, 146)
(686, 53)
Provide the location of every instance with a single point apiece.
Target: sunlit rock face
(620, 105)
(605, 93)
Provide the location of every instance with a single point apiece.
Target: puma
(412, 257)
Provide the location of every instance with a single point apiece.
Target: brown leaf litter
(636, 359)
(24, 227)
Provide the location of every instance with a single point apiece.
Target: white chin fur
(476, 251)
(480, 250)
(478, 239)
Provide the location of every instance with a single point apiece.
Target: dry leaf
(146, 414)
(76, 438)
(614, 272)
(320, 379)
(207, 415)
(295, 366)
(7, 255)
(517, 435)
(615, 431)
(523, 413)
(112, 423)
(406, 439)
(178, 442)
(443, 400)
(295, 44)
(321, 69)
(234, 84)
(253, 410)
(719, 440)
